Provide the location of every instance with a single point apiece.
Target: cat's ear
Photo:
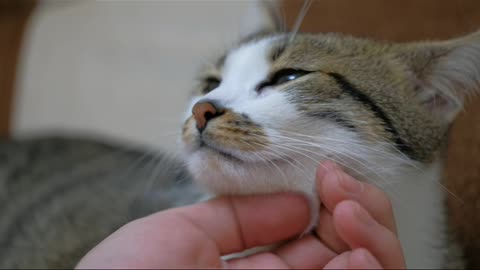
(445, 73)
(262, 17)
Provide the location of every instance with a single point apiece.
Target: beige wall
(118, 68)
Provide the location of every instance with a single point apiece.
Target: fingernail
(329, 166)
(332, 176)
(324, 168)
(368, 258)
(349, 184)
(363, 215)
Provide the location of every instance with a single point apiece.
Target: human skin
(357, 230)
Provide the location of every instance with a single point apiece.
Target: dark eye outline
(210, 84)
(282, 76)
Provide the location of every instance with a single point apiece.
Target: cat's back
(60, 196)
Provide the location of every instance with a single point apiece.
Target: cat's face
(271, 109)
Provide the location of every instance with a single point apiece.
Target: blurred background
(115, 68)
(124, 69)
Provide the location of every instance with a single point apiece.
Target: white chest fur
(420, 215)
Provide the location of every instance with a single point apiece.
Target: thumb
(357, 259)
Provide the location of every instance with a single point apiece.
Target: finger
(305, 253)
(362, 259)
(327, 234)
(339, 262)
(238, 223)
(334, 186)
(360, 230)
(195, 236)
(264, 260)
(356, 259)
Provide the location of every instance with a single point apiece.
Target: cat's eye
(210, 84)
(283, 76)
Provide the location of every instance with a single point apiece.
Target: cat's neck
(419, 208)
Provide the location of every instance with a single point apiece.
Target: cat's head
(267, 112)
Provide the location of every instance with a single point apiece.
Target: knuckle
(381, 199)
(385, 202)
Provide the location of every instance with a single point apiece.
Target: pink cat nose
(204, 111)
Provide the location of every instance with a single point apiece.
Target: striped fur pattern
(60, 196)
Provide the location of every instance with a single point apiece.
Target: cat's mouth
(205, 146)
(228, 156)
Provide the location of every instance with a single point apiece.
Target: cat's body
(60, 196)
(272, 108)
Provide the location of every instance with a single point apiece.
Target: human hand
(356, 222)
(196, 236)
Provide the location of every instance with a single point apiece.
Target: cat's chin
(229, 175)
(238, 158)
(221, 154)
(225, 173)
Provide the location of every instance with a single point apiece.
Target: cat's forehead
(248, 64)
(259, 50)
(252, 55)
(303, 51)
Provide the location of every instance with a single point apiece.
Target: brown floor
(407, 20)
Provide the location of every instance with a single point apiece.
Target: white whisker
(300, 18)
(267, 161)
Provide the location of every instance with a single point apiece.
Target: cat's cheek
(274, 110)
(189, 138)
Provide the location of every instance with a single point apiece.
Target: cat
(265, 114)
(61, 195)
(269, 110)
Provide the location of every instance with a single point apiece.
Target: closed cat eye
(283, 76)
(210, 84)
